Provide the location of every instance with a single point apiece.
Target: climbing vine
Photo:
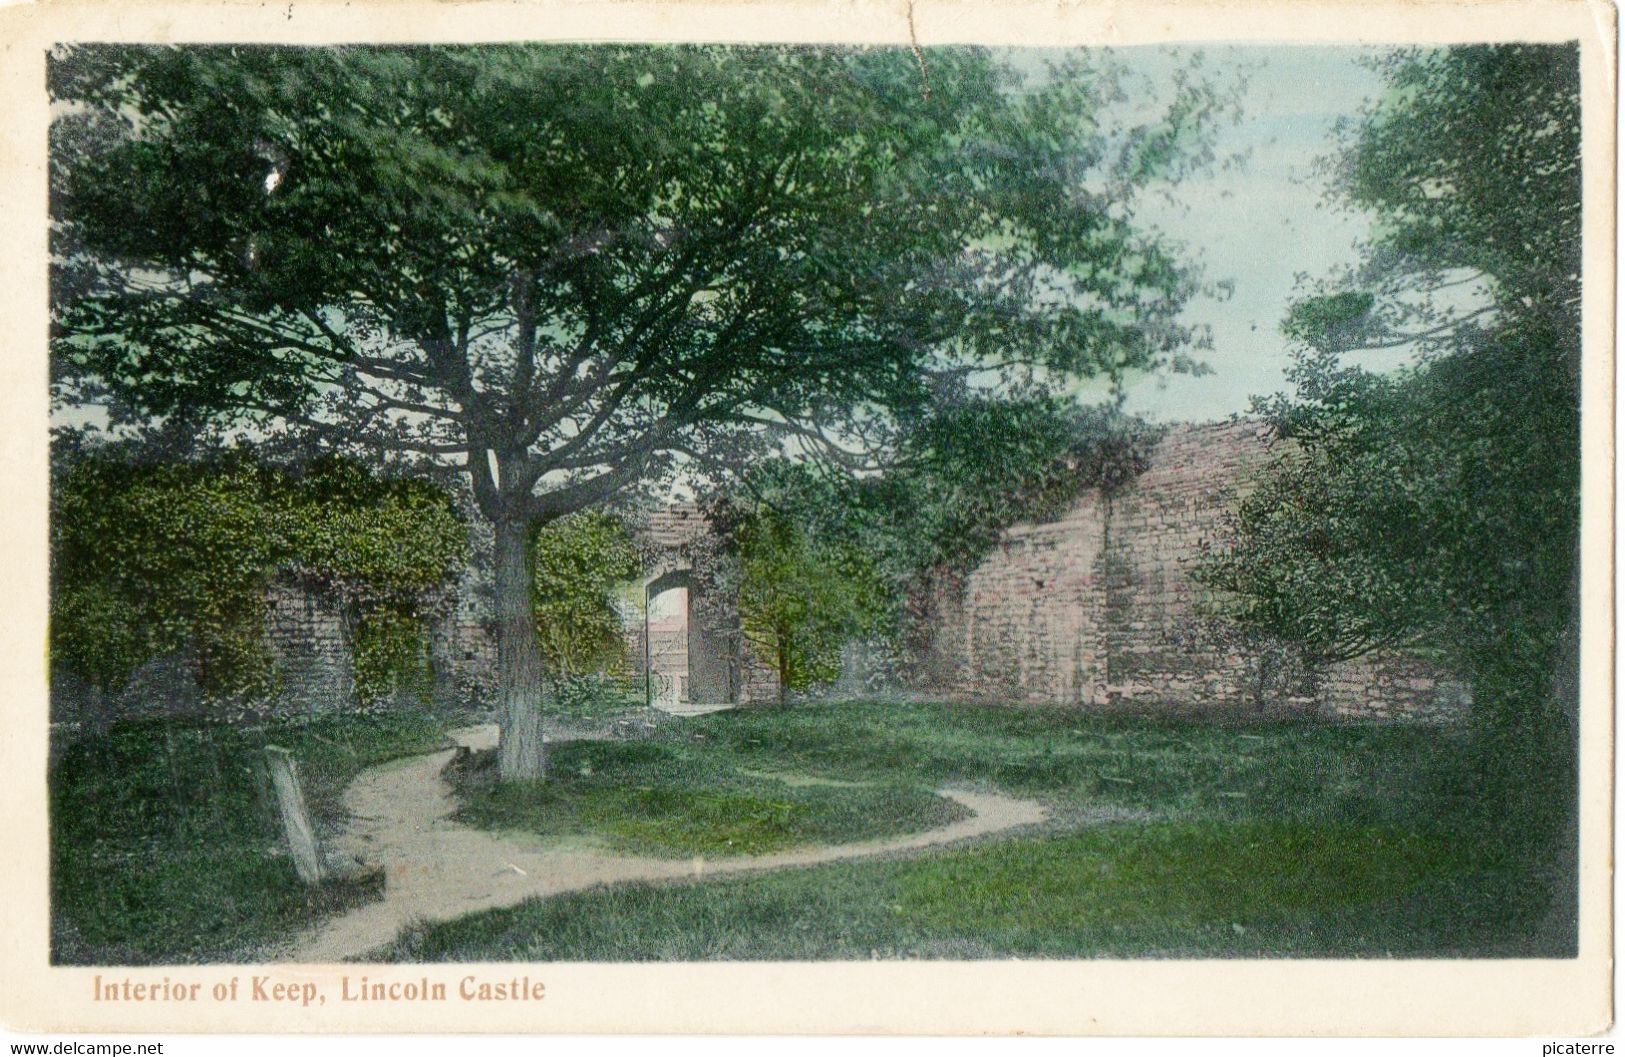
(576, 563)
(148, 559)
(818, 559)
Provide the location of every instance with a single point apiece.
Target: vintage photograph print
(539, 502)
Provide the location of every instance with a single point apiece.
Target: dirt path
(437, 869)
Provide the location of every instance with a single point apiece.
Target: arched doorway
(685, 660)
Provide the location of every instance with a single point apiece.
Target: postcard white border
(1228, 997)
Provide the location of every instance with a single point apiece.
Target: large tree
(802, 597)
(1438, 505)
(568, 271)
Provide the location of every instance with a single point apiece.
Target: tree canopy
(818, 559)
(569, 270)
(1440, 503)
(804, 596)
(581, 260)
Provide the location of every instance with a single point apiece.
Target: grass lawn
(1167, 838)
(1076, 760)
(1277, 838)
(162, 849)
(683, 798)
(1166, 889)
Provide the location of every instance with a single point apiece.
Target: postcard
(809, 518)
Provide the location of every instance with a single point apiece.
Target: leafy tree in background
(974, 466)
(153, 558)
(567, 272)
(1440, 504)
(803, 597)
(964, 470)
(961, 473)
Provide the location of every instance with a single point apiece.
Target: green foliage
(426, 192)
(1335, 321)
(383, 545)
(151, 558)
(391, 654)
(1441, 503)
(1329, 840)
(977, 465)
(162, 841)
(1403, 513)
(1473, 164)
(677, 800)
(962, 471)
(389, 538)
(1303, 565)
(803, 596)
(577, 562)
(572, 269)
(842, 557)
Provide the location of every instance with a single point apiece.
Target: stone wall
(1095, 609)
(309, 642)
(1028, 623)
(462, 642)
(1099, 608)
(721, 666)
(1382, 685)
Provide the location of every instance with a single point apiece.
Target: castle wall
(1030, 625)
(462, 643)
(1099, 608)
(1096, 609)
(721, 666)
(1162, 649)
(1387, 684)
(309, 643)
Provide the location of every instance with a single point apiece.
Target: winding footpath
(437, 869)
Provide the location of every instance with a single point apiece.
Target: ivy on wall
(148, 559)
(576, 563)
(817, 559)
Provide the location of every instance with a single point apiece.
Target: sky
(1261, 223)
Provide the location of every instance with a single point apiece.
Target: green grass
(1282, 838)
(681, 799)
(1078, 762)
(1170, 889)
(164, 850)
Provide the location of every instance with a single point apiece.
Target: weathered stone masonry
(1095, 609)
(310, 642)
(1098, 608)
(721, 667)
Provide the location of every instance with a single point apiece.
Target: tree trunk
(519, 660)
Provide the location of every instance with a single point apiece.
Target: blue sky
(1260, 223)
